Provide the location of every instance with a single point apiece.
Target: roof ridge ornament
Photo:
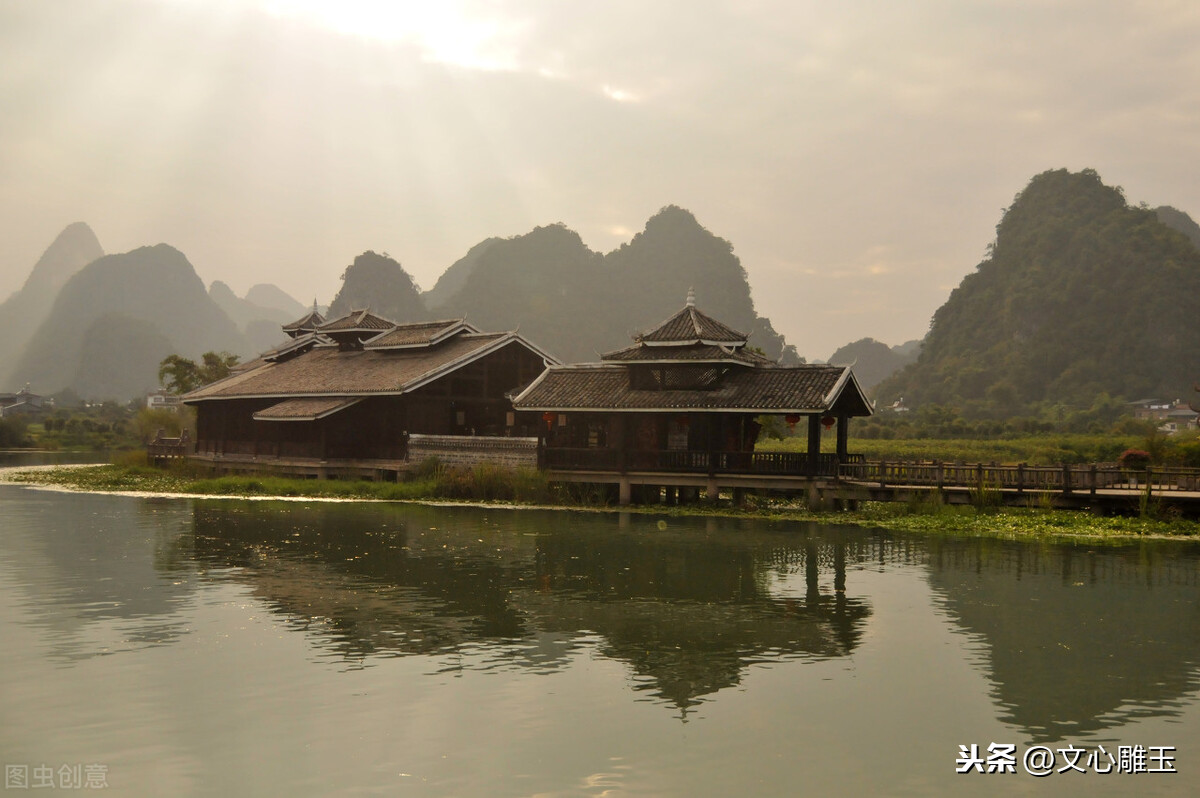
(691, 297)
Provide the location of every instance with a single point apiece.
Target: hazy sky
(857, 154)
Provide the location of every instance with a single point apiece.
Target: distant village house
(24, 403)
(163, 400)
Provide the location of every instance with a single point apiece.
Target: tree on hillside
(1080, 295)
(380, 283)
(180, 375)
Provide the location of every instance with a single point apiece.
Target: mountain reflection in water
(688, 611)
(1073, 641)
(1079, 639)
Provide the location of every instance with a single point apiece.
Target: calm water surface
(264, 648)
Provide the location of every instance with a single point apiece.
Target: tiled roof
(693, 353)
(305, 409)
(293, 347)
(357, 321)
(688, 326)
(327, 371)
(310, 322)
(766, 389)
(417, 334)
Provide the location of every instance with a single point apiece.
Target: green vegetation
(14, 433)
(434, 482)
(1030, 449)
(130, 472)
(180, 375)
(106, 427)
(1081, 294)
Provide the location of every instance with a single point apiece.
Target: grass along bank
(527, 487)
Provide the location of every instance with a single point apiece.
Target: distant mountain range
(99, 325)
(23, 313)
(570, 300)
(873, 361)
(1080, 295)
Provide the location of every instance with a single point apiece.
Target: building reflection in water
(1072, 640)
(688, 611)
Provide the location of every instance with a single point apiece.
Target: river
(161, 646)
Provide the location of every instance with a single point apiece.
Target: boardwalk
(1098, 487)
(1102, 487)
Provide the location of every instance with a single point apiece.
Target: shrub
(131, 458)
(13, 432)
(1134, 459)
(1189, 453)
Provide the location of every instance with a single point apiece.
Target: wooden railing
(783, 463)
(163, 449)
(1062, 478)
(884, 473)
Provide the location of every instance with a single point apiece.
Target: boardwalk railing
(1062, 479)
(883, 473)
(782, 463)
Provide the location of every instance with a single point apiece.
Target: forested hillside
(576, 302)
(380, 283)
(874, 361)
(1081, 295)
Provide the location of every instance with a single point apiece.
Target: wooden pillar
(624, 492)
(814, 443)
(619, 437)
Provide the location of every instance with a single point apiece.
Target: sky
(857, 155)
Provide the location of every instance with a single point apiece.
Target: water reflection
(100, 574)
(1078, 639)
(1073, 641)
(689, 611)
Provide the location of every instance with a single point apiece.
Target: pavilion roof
(605, 387)
(691, 326)
(311, 321)
(357, 321)
(690, 353)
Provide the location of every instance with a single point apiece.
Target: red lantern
(829, 421)
(548, 417)
(792, 420)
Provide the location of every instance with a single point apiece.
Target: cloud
(272, 144)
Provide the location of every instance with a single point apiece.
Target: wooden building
(354, 389)
(684, 398)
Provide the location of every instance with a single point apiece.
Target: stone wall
(470, 450)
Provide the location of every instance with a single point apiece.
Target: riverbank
(496, 487)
